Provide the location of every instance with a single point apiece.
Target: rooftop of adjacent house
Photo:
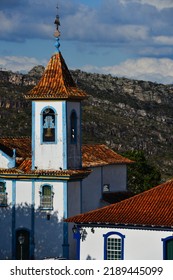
(152, 208)
(22, 145)
(101, 155)
(56, 82)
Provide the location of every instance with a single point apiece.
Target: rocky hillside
(125, 114)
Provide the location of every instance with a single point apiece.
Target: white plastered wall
(45, 155)
(92, 186)
(6, 161)
(138, 244)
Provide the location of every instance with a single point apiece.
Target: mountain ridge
(122, 113)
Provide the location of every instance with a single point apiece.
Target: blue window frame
(3, 194)
(113, 246)
(46, 197)
(48, 125)
(168, 248)
(73, 127)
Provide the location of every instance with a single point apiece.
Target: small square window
(106, 187)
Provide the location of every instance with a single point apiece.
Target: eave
(79, 175)
(125, 226)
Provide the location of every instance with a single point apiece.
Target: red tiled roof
(22, 145)
(150, 208)
(99, 155)
(92, 155)
(56, 82)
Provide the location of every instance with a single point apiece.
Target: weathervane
(57, 32)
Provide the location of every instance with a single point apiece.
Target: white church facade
(52, 176)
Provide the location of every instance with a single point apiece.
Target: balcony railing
(46, 202)
(3, 199)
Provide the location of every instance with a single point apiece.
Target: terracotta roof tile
(56, 82)
(150, 208)
(26, 165)
(99, 155)
(22, 145)
(92, 155)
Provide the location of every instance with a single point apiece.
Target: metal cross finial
(57, 32)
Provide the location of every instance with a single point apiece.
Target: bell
(48, 132)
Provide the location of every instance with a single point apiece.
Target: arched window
(113, 246)
(48, 123)
(73, 127)
(46, 197)
(3, 194)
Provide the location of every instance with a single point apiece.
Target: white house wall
(6, 161)
(92, 186)
(92, 190)
(138, 244)
(23, 203)
(74, 208)
(116, 177)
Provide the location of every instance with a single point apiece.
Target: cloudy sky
(129, 38)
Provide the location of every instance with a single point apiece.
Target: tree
(141, 174)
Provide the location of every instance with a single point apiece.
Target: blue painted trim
(105, 243)
(33, 135)
(65, 225)
(13, 219)
(64, 133)
(77, 237)
(41, 126)
(33, 221)
(164, 240)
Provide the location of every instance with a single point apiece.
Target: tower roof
(56, 82)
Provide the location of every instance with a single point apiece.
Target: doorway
(22, 244)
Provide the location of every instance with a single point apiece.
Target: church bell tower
(56, 116)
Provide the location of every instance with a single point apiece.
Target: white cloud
(168, 40)
(159, 4)
(149, 69)
(19, 63)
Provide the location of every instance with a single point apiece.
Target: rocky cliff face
(125, 114)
